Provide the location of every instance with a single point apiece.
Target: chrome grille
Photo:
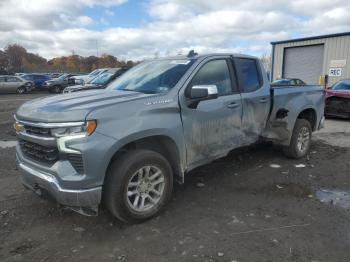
(45, 154)
(38, 131)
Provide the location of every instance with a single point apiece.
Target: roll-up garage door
(304, 62)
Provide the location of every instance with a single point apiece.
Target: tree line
(16, 59)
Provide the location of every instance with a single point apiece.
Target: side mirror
(204, 92)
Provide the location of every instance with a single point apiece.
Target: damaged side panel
(211, 130)
(288, 103)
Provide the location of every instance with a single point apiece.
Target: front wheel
(138, 185)
(300, 141)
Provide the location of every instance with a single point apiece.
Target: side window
(248, 74)
(12, 79)
(299, 82)
(217, 73)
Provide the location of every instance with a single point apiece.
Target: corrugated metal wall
(335, 48)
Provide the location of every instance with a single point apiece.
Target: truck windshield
(152, 77)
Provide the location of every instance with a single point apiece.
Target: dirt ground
(253, 205)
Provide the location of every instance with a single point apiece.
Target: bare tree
(266, 61)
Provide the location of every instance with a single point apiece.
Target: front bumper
(40, 182)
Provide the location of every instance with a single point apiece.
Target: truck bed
(287, 102)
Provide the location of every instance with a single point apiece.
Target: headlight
(86, 130)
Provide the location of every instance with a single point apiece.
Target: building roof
(310, 38)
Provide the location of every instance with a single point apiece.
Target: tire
(124, 179)
(56, 89)
(300, 141)
(21, 90)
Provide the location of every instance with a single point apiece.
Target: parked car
(57, 85)
(37, 79)
(55, 75)
(154, 124)
(338, 100)
(288, 82)
(15, 84)
(83, 79)
(100, 82)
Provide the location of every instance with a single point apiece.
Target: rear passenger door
(255, 98)
(12, 83)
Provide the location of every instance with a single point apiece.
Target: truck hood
(74, 106)
(338, 93)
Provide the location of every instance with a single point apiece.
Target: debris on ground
(122, 257)
(300, 165)
(275, 166)
(4, 212)
(200, 184)
(279, 187)
(79, 229)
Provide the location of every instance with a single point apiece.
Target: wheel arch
(310, 115)
(162, 144)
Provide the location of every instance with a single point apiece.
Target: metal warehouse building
(312, 57)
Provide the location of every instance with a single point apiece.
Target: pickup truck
(124, 146)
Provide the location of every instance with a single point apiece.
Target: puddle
(287, 189)
(334, 197)
(6, 144)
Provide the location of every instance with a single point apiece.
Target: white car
(82, 79)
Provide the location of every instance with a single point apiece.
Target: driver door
(213, 127)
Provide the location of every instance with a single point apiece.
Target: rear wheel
(300, 141)
(138, 185)
(21, 90)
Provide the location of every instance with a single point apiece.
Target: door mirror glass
(204, 92)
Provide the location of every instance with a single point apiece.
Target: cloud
(56, 27)
(47, 14)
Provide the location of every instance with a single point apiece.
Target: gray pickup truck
(125, 145)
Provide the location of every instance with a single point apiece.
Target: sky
(135, 30)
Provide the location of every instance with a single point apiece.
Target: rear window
(248, 74)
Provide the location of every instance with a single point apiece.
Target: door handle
(263, 100)
(232, 105)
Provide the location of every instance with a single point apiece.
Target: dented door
(213, 128)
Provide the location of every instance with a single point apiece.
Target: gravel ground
(253, 205)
